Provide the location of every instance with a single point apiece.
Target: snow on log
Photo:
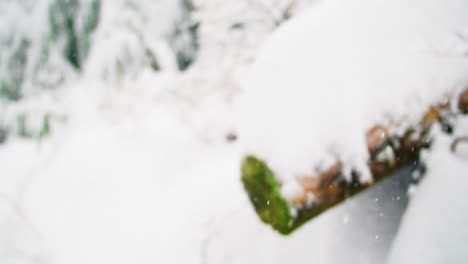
(345, 94)
(330, 187)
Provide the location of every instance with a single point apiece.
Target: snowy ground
(142, 172)
(135, 184)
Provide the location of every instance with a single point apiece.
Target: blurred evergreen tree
(64, 21)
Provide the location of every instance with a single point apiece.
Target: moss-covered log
(264, 190)
(330, 187)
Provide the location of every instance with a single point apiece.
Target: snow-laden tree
(136, 35)
(46, 43)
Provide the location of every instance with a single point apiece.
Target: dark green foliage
(185, 59)
(72, 53)
(3, 134)
(63, 21)
(18, 63)
(8, 93)
(90, 24)
(264, 193)
(25, 131)
(184, 39)
(62, 15)
(45, 128)
(10, 87)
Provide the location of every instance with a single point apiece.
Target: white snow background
(138, 169)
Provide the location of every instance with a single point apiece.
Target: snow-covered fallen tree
(345, 94)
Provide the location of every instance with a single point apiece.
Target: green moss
(264, 190)
(264, 193)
